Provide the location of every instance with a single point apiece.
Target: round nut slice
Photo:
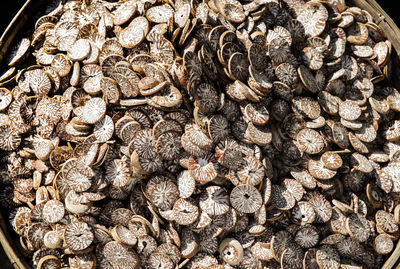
(214, 201)
(374, 195)
(79, 50)
(245, 198)
(310, 141)
(160, 14)
(331, 160)
(78, 236)
(53, 240)
(123, 235)
(49, 261)
(262, 251)
(36, 234)
(386, 222)
(135, 33)
(282, 198)
(185, 211)
(307, 237)
(292, 257)
(349, 110)
(317, 170)
(124, 12)
(279, 242)
(357, 33)
(93, 111)
(328, 257)
(303, 213)
(358, 227)
(322, 208)
(186, 184)
(309, 260)
(120, 256)
(5, 98)
(231, 251)
(158, 260)
(53, 211)
(294, 187)
(383, 244)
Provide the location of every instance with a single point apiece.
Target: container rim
(382, 19)
(17, 23)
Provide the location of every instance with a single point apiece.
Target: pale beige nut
(231, 251)
(53, 240)
(78, 236)
(53, 211)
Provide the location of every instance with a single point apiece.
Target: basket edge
(381, 17)
(7, 37)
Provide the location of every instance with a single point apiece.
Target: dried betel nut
(140, 134)
(231, 251)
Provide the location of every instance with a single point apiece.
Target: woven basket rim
(17, 23)
(382, 19)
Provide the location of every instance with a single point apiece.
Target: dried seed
(309, 260)
(349, 110)
(331, 160)
(53, 211)
(124, 12)
(245, 198)
(292, 257)
(133, 120)
(307, 237)
(134, 33)
(358, 227)
(49, 261)
(313, 17)
(322, 208)
(319, 171)
(307, 106)
(78, 236)
(279, 242)
(383, 244)
(185, 211)
(281, 198)
(385, 221)
(310, 141)
(186, 184)
(328, 257)
(79, 50)
(120, 256)
(303, 213)
(61, 65)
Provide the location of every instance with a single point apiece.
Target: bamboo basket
(24, 19)
(18, 25)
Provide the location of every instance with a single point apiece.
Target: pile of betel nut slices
(212, 134)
